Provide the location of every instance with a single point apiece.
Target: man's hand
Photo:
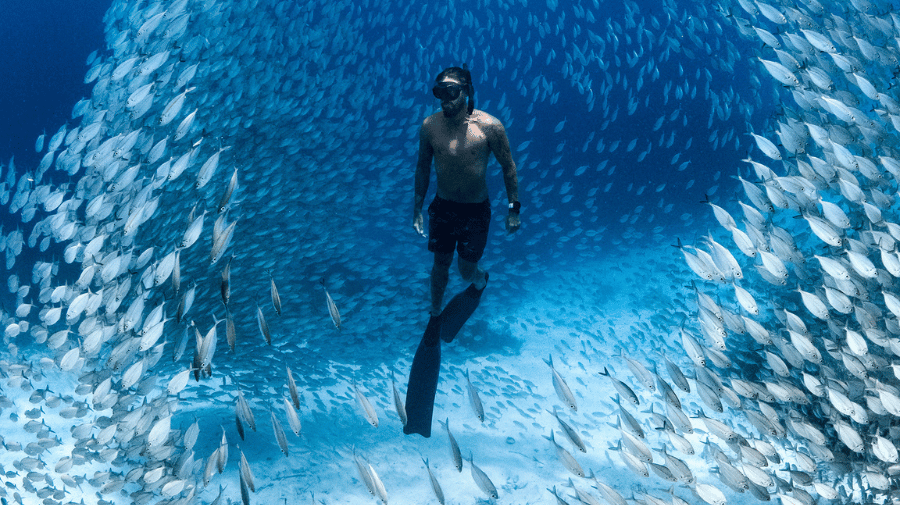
(512, 222)
(418, 224)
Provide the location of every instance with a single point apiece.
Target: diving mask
(446, 91)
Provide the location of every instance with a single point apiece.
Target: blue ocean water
(42, 66)
(315, 108)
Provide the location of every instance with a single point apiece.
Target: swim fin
(423, 379)
(458, 311)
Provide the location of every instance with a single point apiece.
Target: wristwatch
(514, 207)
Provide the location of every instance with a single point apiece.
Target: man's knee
(467, 269)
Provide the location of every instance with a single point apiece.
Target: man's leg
(471, 272)
(463, 305)
(440, 273)
(472, 245)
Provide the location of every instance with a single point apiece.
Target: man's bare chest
(472, 143)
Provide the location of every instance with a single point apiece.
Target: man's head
(452, 86)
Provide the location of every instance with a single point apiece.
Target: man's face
(453, 107)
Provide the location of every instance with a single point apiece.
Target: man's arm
(423, 177)
(500, 147)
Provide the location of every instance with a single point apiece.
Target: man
(460, 139)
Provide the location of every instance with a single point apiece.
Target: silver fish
(570, 433)
(292, 388)
(398, 402)
(263, 325)
(276, 300)
(622, 388)
(474, 399)
(279, 433)
(455, 453)
(562, 389)
(332, 308)
(246, 473)
(482, 480)
(565, 457)
(293, 418)
(367, 409)
(435, 485)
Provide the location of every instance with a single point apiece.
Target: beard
(451, 111)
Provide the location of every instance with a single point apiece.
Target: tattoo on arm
(500, 147)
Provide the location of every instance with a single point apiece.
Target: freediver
(460, 140)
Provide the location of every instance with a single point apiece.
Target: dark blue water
(43, 49)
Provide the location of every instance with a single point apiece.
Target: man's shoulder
(485, 118)
(488, 123)
(428, 125)
(431, 120)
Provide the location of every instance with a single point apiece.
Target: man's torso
(461, 156)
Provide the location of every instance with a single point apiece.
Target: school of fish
(243, 163)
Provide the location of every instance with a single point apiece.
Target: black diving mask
(447, 91)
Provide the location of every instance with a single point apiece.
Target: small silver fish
(455, 453)
(363, 468)
(229, 191)
(622, 388)
(481, 478)
(263, 325)
(246, 474)
(435, 485)
(243, 409)
(210, 467)
(380, 490)
(474, 399)
(279, 433)
(332, 308)
(245, 493)
(225, 285)
(276, 300)
(640, 372)
(570, 433)
(368, 410)
(565, 457)
(292, 387)
(230, 331)
(223, 453)
(398, 402)
(562, 389)
(293, 418)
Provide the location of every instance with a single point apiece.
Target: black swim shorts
(461, 225)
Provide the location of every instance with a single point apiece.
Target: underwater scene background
(189, 185)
